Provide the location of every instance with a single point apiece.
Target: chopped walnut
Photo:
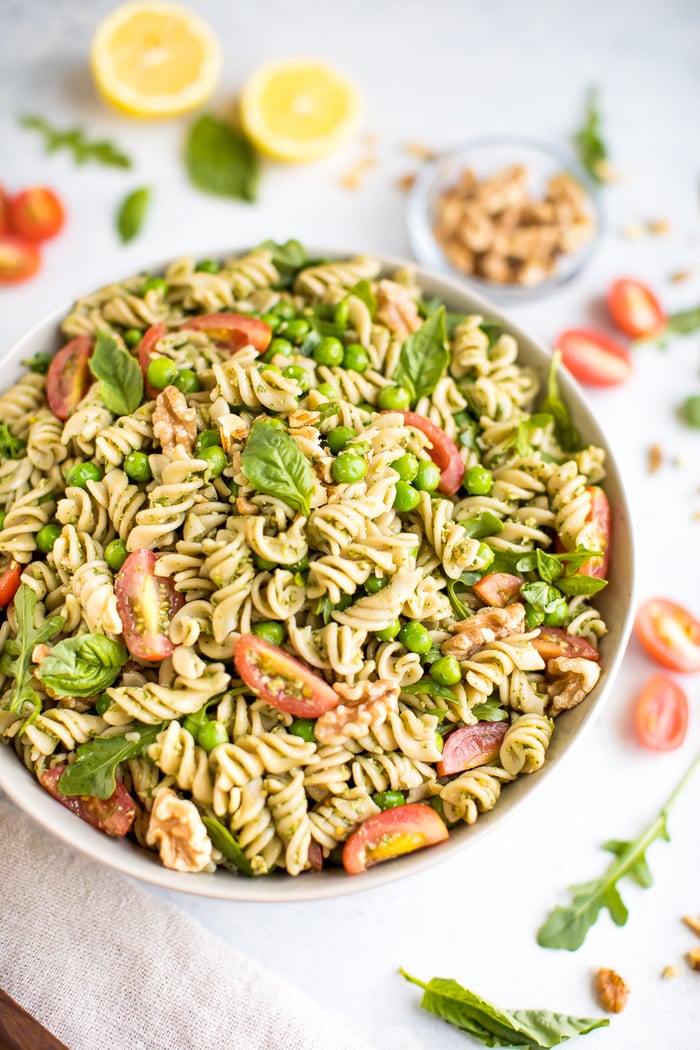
(39, 654)
(419, 149)
(693, 923)
(671, 971)
(659, 227)
(396, 309)
(694, 958)
(176, 828)
(570, 680)
(354, 178)
(244, 506)
(362, 706)
(174, 423)
(679, 276)
(655, 458)
(486, 625)
(405, 183)
(612, 990)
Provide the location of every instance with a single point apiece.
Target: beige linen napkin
(106, 966)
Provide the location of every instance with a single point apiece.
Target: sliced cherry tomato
(233, 330)
(594, 358)
(9, 583)
(553, 641)
(37, 214)
(19, 260)
(4, 211)
(670, 634)
(498, 588)
(471, 746)
(661, 714)
(69, 376)
(634, 308)
(598, 534)
(113, 815)
(280, 680)
(444, 453)
(146, 347)
(146, 604)
(391, 833)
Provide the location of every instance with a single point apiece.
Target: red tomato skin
(113, 815)
(420, 822)
(679, 653)
(634, 308)
(661, 714)
(9, 583)
(69, 376)
(599, 514)
(4, 211)
(471, 746)
(152, 600)
(444, 453)
(311, 696)
(19, 259)
(594, 358)
(150, 337)
(37, 214)
(553, 641)
(498, 589)
(236, 330)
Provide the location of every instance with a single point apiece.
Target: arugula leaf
(220, 159)
(567, 435)
(94, 771)
(592, 149)
(490, 711)
(691, 410)
(424, 357)
(493, 1026)
(484, 524)
(363, 291)
(18, 651)
(11, 447)
(430, 688)
(39, 363)
(460, 610)
(573, 585)
(132, 212)
(102, 151)
(84, 665)
(287, 258)
(224, 841)
(567, 927)
(121, 380)
(273, 464)
(522, 431)
(328, 408)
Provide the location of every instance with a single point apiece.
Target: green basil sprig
(11, 447)
(287, 258)
(132, 212)
(17, 654)
(83, 666)
(427, 687)
(273, 464)
(223, 840)
(424, 357)
(221, 160)
(94, 771)
(121, 380)
(102, 151)
(592, 149)
(39, 363)
(566, 432)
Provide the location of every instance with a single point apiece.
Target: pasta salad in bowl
(304, 565)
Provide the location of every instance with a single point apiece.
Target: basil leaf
(84, 665)
(548, 566)
(691, 410)
(363, 291)
(592, 150)
(223, 840)
(683, 322)
(221, 160)
(121, 380)
(273, 464)
(18, 651)
(514, 562)
(424, 357)
(132, 212)
(11, 447)
(491, 711)
(94, 771)
(287, 258)
(484, 524)
(39, 363)
(566, 433)
(102, 152)
(541, 595)
(572, 585)
(521, 434)
(428, 687)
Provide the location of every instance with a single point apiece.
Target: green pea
(264, 564)
(215, 458)
(278, 346)
(304, 727)
(206, 439)
(102, 703)
(116, 554)
(338, 439)
(406, 497)
(80, 473)
(207, 266)
(187, 381)
(297, 328)
(366, 407)
(406, 467)
(300, 375)
(389, 799)
(272, 321)
(438, 805)
(485, 555)
(348, 468)
(415, 637)
(342, 314)
(47, 536)
(161, 372)
(137, 467)
(132, 337)
(327, 389)
(387, 633)
(266, 366)
(211, 735)
(155, 284)
(270, 631)
(374, 584)
(446, 671)
(554, 617)
(394, 399)
(284, 310)
(427, 477)
(192, 725)
(478, 481)
(329, 351)
(356, 358)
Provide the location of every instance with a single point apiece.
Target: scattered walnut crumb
(612, 990)
(656, 458)
(174, 422)
(419, 149)
(680, 460)
(370, 139)
(362, 706)
(633, 231)
(405, 183)
(696, 516)
(659, 227)
(607, 172)
(679, 276)
(693, 923)
(355, 176)
(694, 958)
(671, 971)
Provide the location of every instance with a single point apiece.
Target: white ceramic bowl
(615, 603)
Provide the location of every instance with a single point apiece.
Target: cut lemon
(298, 110)
(155, 59)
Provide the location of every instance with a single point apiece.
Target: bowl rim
(23, 789)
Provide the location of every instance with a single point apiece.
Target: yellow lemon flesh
(155, 59)
(298, 110)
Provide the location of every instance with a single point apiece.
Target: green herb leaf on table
(424, 357)
(83, 666)
(17, 654)
(490, 711)
(39, 363)
(94, 771)
(121, 380)
(221, 160)
(132, 212)
(11, 447)
(273, 464)
(223, 840)
(566, 433)
(592, 149)
(102, 151)
(363, 291)
(287, 258)
(691, 410)
(684, 322)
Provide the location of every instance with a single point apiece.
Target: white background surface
(440, 73)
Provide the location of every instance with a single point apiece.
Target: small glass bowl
(486, 157)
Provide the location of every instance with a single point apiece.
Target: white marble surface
(440, 73)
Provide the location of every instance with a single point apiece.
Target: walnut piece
(693, 923)
(694, 958)
(176, 828)
(174, 423)
(612, 990)
(671, 971)
(396, 309)
(363, 706)
(486, 625)
(655, 458)
(571, 679)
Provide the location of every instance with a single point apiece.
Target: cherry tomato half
(19, 259)
(444, 453)
(670, 634)
(4, 211)
(280, 680)
(594, 358)
(598, 534)
(9, 583)
(146, 603)
(37, 214)
(661, 714)
(553, 641)
(113, 815)
(146, 347)
(498, 589)
(471, 746)
(634, 308)
(233, 330)
(69, 376)
(391, 833)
